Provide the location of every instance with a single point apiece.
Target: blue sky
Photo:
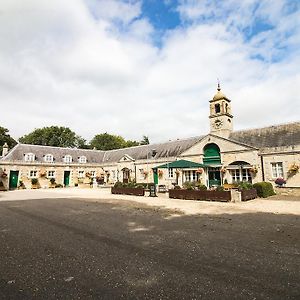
(147, 67)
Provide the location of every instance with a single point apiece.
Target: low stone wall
(290, 191)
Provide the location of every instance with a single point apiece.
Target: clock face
(218, 124)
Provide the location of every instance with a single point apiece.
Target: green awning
(181, 164)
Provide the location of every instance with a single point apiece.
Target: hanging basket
(199, 171)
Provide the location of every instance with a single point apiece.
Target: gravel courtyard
(88, 244)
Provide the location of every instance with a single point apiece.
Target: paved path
(72, 248)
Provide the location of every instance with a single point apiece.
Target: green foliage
(188, 185)
(220, 188)
(54, 136)
(118, 184)
(200, 186)
(145, 140)
(264, 189)
(52, 180)
(34, 181)
(244, 185)
(177, 187)
(131, 143)
(6, 138)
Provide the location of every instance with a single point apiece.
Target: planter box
(223, 196)
(128, 191)
(248, 194)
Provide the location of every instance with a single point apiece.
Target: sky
(147, 67)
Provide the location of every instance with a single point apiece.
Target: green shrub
(201, 187)
(264, 189)
(188, 185)
(220, 188)
(177, 187)
(34, 181)
(131, 185)
(118, 184)
(58, 185)
(244, 185)
(52, 180)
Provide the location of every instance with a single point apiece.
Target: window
(191, 176)
(48, 158)
(93, 174)
(171, 173)
(80, 174)
(217, 108)
(67, 159)
(33, 174)
(29, 157)
(82, 159)
(51, 174)
(142, 175)
(239, 175)
(277, 169)
(113, 174)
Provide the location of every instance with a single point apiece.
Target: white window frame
(171, 173)
(67, 158)
(82, 159)
(81, 174)
(93, 174)
(49, 158)
(240, 175)
(33, 174)
(29, 157)
(142, 175)
(51, 174)
(277, 169)
(191, 176)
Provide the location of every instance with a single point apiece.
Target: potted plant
(254, 170)
(34, 183)
(21, 185)
(52, 183)
(160, 173)
(293, 169)
(2, 187)
(199, 171)
(280, 182)
(223, 170)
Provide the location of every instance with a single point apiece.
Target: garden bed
(221, 196)
(128, 191)
(248, 194)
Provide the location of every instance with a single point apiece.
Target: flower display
(280, 181)
(160, 173)
(294, 168)
(223, 170)
(199, 171)
(254, 170)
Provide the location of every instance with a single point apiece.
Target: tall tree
(54, 136)
(145, 140)
(105, 141)
(6, 138)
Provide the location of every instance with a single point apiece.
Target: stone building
(222, 155)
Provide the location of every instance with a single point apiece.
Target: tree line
(59, 136)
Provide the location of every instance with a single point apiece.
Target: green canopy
(181, 164)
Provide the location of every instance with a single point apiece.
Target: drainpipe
(262, 168)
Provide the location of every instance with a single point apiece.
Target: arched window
(48, 158)
(212, 154)
(82, 159)
(29, 157)
(67, 159)
(217, 108)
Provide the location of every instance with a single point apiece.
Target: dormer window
(48, 158)
(67, 159)
(29, 157)
(82, 159)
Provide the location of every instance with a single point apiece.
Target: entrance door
(155, 176)
(66, 178)
(13, 179)
(126, 175)
(214, 176)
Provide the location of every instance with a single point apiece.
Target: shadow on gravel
(126, 250)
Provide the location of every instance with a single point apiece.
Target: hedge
(264, 189)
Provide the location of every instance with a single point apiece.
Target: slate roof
(269, 137)
(168, 149)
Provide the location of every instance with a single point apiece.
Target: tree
(54, 136)
(6, 138)
(105, 141)
(145, 140)
(132, 143)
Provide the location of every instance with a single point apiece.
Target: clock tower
(220, 115)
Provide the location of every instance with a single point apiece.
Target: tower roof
(219, 95)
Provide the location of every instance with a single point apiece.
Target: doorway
(214, 177)
(13, 179)
(126, 174)
(67, 178)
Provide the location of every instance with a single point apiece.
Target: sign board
(152, 191)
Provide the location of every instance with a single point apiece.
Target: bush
(189, 185)
(244, 185)
(201, 187)
(264, 189)
(59, 185)
(118, 184)
(220, 188)
(177, 187)
(52, 180)
(34, 181)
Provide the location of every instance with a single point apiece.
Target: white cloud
(92, 66)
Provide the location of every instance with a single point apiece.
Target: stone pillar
(236, 196)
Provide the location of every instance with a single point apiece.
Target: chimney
(4, 149)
